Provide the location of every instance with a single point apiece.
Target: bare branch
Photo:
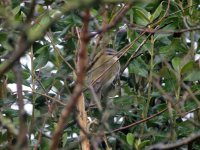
(81, 69)
(135, 54)
(177, 144)
(139, 122)
(161, 31)
(22, 139)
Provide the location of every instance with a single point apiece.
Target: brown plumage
(103, 71)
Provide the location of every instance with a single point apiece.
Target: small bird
(105, 68)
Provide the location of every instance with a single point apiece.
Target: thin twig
(95, 98)
(40, 134)
(177, 144)
(50, 36)
(22, 139)
(139, 122)
(165, 31)
(59, 101)
(133, 56)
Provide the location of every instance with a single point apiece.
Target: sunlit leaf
(130, 139)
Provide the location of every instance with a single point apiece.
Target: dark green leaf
(142, 16)
(157, 12)
(43, 57)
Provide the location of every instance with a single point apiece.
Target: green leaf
(188, 67)
(171, 50)
(43, 57)
(64, 139)
(160, 107)
(157, 12)
(184, 128)
(137, 144)
(38, 29)
(58, 59)
(169, 79)
(193, 76)
(123, 100)
(26, 73)
(176, 63)
(45, 143)
(138, 67)
(141, 16)
(11, 113)
(16, 10)
(47, 82)
(3, 37)
(159, 137)
(130, 139)
(143, 144)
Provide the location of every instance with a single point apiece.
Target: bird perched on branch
(104, 69)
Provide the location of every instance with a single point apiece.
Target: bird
(105, 68)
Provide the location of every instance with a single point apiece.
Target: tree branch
(22, 139)
(81, 69)
(177, 144)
